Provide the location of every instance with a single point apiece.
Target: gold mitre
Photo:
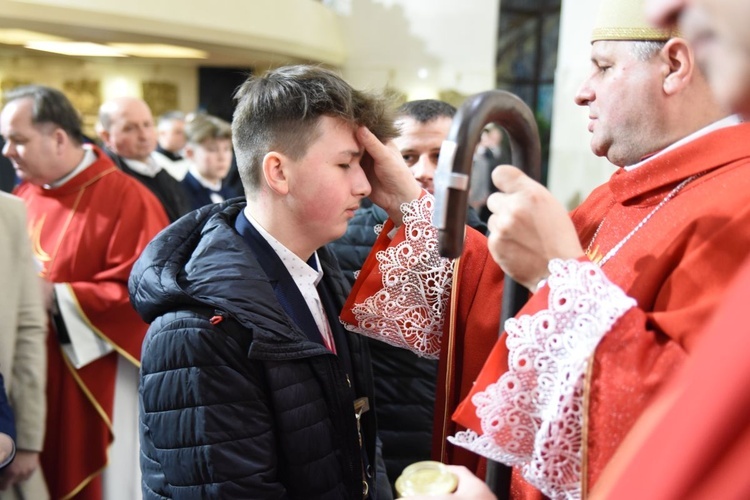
(626, 20)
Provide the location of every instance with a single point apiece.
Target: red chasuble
(675, 265)
(694, 440)
(87, 234)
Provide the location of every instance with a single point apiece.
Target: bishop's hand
(391, 181)
(528, 227)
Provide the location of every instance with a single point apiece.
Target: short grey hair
(644, 50)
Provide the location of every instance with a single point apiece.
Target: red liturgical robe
(674, 257)
(87, 234)
(694, 440)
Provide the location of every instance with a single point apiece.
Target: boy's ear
(274, 172)
(189, 151)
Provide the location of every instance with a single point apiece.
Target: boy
(209, 149)
(250, 387)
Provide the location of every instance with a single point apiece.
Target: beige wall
(453, 43)
(419, 47)
(276, 29)
(573, 169)
(115, 78)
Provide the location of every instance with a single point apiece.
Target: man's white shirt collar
(149, 168)
(89, 157)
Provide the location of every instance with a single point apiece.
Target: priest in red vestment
(670, 229)
(88, 223)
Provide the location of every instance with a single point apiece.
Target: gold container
(426, 478)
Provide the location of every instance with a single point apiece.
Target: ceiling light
(22, 37)
(159, 50)
(76, 49)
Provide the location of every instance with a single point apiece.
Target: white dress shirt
(305, 277)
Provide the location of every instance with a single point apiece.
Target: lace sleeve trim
(532, 417)
(409, 310)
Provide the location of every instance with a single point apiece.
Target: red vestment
(694, 440)
(87, 234)
(675, 266)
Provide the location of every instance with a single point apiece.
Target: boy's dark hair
(50, 106)
(426, 110)
(280, 111)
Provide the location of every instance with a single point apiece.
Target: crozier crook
(452, 181)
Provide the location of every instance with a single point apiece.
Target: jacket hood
(201, 261)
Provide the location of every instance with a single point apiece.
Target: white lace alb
(532, 417)
(409, 310)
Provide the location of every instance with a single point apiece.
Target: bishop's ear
(680, 63)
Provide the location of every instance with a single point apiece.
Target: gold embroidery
(35, 231)
(595, 255)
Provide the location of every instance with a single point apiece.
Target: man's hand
(528, 227)
(21, 469)
(392, 182)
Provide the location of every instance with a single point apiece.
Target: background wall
(80, 79)
(422, 47)
(574, 170)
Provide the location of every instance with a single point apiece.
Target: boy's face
(212, 158)
(327, 184)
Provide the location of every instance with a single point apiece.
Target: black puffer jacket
(244, 405)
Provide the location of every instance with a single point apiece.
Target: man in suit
(23, 330)
(7, 429)
(126, 127)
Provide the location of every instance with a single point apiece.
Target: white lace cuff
(532, 417)
(409, 310)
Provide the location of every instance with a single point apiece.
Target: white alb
(532, 417)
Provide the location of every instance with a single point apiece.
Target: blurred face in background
(131, 134)
(419, 144)
(172, 135)
(717, 29)
(722, 47)
(212, 158)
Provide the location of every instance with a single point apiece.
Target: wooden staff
(452, 181)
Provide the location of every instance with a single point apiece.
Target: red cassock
(672, 233)
(87, 234)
